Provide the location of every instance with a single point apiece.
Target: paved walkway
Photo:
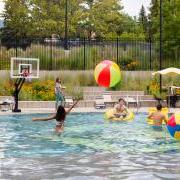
(86, 109)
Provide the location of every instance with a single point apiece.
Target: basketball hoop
(24, 68)
(25, 73)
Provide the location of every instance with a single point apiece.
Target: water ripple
(89, 148)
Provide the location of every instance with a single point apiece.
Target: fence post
(16, 45)
(117, 49)
(51, 58)
(150, 53)
(84, 43)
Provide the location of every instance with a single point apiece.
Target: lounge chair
(99, 103)
(132, 101)
(108, 99)
(6, 105)
(68, 101)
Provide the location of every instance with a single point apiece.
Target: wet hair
(121, 99)
(159, 107)
(61, 113)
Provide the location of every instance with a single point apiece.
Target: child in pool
(121, 109)
(158, 117)
(60, 117)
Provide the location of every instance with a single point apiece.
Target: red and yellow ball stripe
(107, 73)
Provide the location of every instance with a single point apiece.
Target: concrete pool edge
(78, 110)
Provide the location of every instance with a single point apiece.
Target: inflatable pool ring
(152, 110)
(109, 113)
(173, 126)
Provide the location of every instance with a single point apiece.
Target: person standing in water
(158, 117)
(60, 117)
(60, 100)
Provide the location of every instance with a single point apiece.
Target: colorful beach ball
(107, 73)
(173, 126)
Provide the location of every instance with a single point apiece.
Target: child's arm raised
(44, 118)
(68, 111)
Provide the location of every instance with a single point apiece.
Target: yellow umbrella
(170, 71)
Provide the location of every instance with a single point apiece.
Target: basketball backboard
(24, 67)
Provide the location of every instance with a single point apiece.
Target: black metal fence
(85, 54)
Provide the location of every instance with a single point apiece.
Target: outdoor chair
(132, 101)
(148, 100)
(68, 101)
(99, 103)
(6, 105)
(108, 99)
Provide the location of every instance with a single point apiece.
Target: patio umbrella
(169, 71)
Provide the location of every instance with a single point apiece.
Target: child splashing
(60, 117)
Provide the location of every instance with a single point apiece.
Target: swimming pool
(89, 148)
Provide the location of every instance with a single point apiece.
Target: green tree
(171, 24)
(17, 21)
(42, 18)
(130, 29)
(101, 17)
(143, 21)
(17, 17)
(47, 18)
(154, 16)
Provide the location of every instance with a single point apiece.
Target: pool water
(89, 148)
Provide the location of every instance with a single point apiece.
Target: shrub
(153, 87)
(129, 64)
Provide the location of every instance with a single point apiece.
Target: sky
(1, 6)
(131, 7)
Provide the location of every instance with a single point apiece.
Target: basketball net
(26, 74)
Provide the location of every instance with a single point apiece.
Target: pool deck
(78, 109)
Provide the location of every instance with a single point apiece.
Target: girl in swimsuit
(60, 117)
